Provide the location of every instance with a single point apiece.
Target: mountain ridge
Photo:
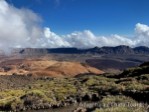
(122, 49)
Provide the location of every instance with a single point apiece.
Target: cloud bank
(21, 28)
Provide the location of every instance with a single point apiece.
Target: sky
(73, 23)
(103, 17)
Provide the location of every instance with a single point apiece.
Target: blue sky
(103, 17)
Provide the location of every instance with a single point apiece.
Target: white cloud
(21, 28)
(17, 26)
(53, 40)
(142, 29)
(142, 35)
(81, 39)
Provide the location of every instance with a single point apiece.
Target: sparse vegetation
(47, 92)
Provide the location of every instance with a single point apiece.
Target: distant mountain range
(122, 49)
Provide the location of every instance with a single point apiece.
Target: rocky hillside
(45, 68)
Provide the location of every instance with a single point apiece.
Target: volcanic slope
(40, 67)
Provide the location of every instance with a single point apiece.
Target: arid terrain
(40, 67)
(70, 82)
(82, 93)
